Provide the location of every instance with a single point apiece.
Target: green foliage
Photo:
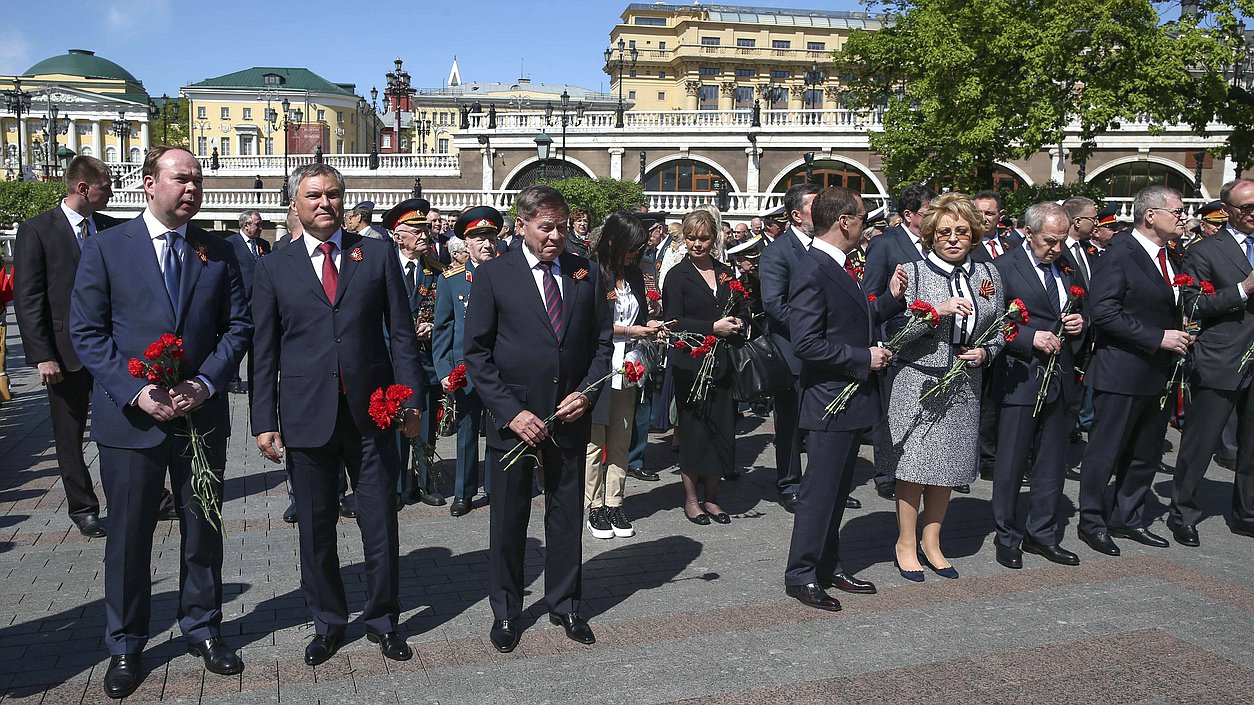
(1017, 201)
(600, 196)
(20, 200)
(173, 129)
(969, 84)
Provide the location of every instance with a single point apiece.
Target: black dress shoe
(504, 635)
(168, 513)
(392, 646)
(788, 500)
(853, 503)
(89, 525)
(289, 514)
(847, 583)
(1185, 535)
(720, 518)
(1009, 556)
(576, 627)
(1141, 536)
(434, 499)
(122, 678)
(1055, 553)
(812, 595)
(731, 475)
(1099, 541)
(644, 475)
(460, 507)
(963, 489)
(1242, 529)
(1230, 463)
(348, 507)
(1073, 474)
(218, 657)
(888, 491)
(321, 648)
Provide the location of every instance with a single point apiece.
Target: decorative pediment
(79, 100)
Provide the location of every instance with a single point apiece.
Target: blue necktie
(1249, 249)
(1051, 285)
(173, 269)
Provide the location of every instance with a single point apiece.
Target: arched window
(829, 172)
(136, 157)
(683, 176)
(111, 154)
(1003, 180)
(551, 170)
(1124, 180)
(87, 151)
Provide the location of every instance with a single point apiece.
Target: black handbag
(758, 370)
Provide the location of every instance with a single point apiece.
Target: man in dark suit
(147, 277)
(1137, 314)
(334, 323)
(776, 267)
(538, 334)
(898, 244)
(833, 328)
(1031, 273)
(507, 240)
(1220, 385)
(1084, 217)
(994, 243)
(249, 247)
(48, 250)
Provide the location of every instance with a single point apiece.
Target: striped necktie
(552, 299)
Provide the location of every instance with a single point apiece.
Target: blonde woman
(674, 253)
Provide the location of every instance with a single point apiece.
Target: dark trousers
(133, 480)
(988, 425)
(1084, 419)
(69, 402)
(788, 439)
(372, 466)
(469, 421)
(406, 480)
(1209, 411)
(815, 550)
(563, 529)
(1125, 443)
(640, 427)
(1042, 441)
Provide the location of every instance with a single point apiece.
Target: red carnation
(169, 340)
(154, 350)
(681, 345)
(708, 341)
(1182, 280)
(136, 368)
(697, 352)
(653, 295)
(737, 287)
(439, 413)
(633, 372)
(1011, 332)
(1208, 289)
(398, 393)
(1077, 292)
(1017, 306)
(457, 378)
(870, 298)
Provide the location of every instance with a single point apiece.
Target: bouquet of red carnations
(921, 314)
(446, 415)
(1205, 288)
(1008, 324)
(385, 406)
(1051, 367)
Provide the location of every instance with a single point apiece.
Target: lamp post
(17, 101)
(1198, 158)
(291, 120)
(809, 159)
(202, 125)
(52, 128)
(771, 94)
(422, 128)
(643, 156)
(121, 129)
(416, 191)
(565, 107)
(64, 155)
(814, 77)
(543, 143)
(621, 63)
(399, 92)
(371, 112)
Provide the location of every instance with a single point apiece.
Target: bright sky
(169, 44)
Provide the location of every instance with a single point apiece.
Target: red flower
(681, 345)
(154, 350)
(738, 288)
(708, 341)
(439, 413)
(136, 368)
(385, 404)
(924, 310)
(653, 295)
(1182, 280)
(1017, 306)
(1011, 332)
(398, 393)
(1077, 292)
(697, 352)
(169, 339)
(633, 372)
(153, 377)
(1208, 289)
(457, 378)
(870, 298)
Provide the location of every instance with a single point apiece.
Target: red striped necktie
(552, 299)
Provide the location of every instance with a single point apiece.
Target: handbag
(758, 370)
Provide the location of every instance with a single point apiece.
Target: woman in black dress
(695, 297)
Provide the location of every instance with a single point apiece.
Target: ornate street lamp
(809, 159)
(643, 156)
(371, 112)
(399, 92)
(814, 77)
(51, 128)
(772, 95)
(416, 191)
(621, 63)
(17, 101)
(543, 143)
(164, 112)
(291, 121)
(564, 106)
(121, 130)
(64, 155)
(422, 128)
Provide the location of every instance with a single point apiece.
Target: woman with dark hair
(697, 297)
(617, 251)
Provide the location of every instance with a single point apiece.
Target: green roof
(293, 80)
(81, 62)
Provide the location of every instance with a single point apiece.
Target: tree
(1016, 202)
(600, 196)
(178, 132)
(20, 200)
(969, 84)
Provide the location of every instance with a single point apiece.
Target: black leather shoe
(392, 646)
(460, 507)
(1242, 529)
(504, 635)
(812, 595)
(1009, 556)
(731, 475)
(218, 657)
(963, 489)
(1055, 553)
(289, 514)
(1185, 535)
(89, 525)
(168, 513)
(642, 474)
(721, 517)
(848, 583)
(1099, 541)
(1141, 536)
(576, 627)
(1073, 474)
(348, 507)
(853, 503)
(321, 648)
(122, 678)
(888, 491)
(788, 500)
(434, 499)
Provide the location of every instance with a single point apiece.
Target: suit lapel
(570, 290)
(1023, 263)
(68, 240)
(527, 282)
(834, 272)
(1149, 267)
(302, 267)
(192, 267)
(146, 259)
(1228, 245)
(348, 265)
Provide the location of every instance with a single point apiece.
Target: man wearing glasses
(1083, 214)
(1221, 384)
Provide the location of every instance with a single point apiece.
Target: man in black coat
(1220, 383)
(833, 327)
(538, 334)
(1138, 317)
(249, 247)
(48, 249)
(1032, 274)
(993, 243)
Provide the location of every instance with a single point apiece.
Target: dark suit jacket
(515, 359)
(776, 267)
(883, 254)
(1018, 370)
(694, 307)
(44, 263)
(834, 325)
(306, 346)
(1132, 307)
(980, 252)
(634, 277)
(1227, 324)
(120, 306)
(247, 263)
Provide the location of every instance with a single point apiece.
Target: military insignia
(724, 278)
(355, 255)
(468, 279)
(986, 289)
(579, 275)
(1092, 251)
(611, 295)
(424, 290)
(202, 252)
(426, 271)
(455, 270)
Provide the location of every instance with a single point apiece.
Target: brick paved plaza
(681, 612)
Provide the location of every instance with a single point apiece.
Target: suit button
(335, 309)
(554, 380)
(335, 374)
(337, 340)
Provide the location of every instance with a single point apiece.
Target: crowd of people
(956, 341)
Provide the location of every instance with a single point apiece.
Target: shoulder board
(433, 264)
(454, 271)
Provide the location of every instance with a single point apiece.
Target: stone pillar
(796, 97)
(144, 144)
(752, 174)
(616, 162)
(692, 88)
(23, 136)
(1058, 163)
(727, 96)
(1230, 170)
(71, 135)
(97, 144)
(488, 183)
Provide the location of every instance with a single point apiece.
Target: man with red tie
(994, 243)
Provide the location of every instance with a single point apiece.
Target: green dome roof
(81, 62)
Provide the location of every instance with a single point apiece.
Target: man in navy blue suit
(249, 247)
(147, 277)
(334, 325)
(833, 327)
(538, 334)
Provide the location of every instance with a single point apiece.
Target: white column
(71, 135)
(616, 163)
(752, 175)
(1230, 169)
(97, 144)
(143, 137)
(1058, 164)
(487, 184)
(24, 140)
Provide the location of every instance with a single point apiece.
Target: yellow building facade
(721, 57)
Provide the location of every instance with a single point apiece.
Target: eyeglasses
(1243, 209)
(1177, 212)
(1086, 217)
(954, 233)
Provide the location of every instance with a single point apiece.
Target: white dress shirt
(829, 250)
(1152, 249)
(1240, 238)
(76, 219)
(311, 246)
(805, 239)
(537, 272)
(1082, 258)
(1053, 272)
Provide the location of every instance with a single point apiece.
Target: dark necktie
(252, 245)
(1081, 260)
(992, 247)
(1249, 249)
(330, 275)
(173, 268)
(552, 299)
(1051, 285)
(1162, 264)
(411, 278)
(84, 231)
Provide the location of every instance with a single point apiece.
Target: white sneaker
(599, 525)
(622, 528)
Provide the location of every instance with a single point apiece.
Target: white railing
(1191, 205)
(798, 120)
(7, 238)
(415, 164)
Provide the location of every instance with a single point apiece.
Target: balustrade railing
(741, 118)
(419, 164)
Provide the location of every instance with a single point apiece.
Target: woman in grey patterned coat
(935, 443)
